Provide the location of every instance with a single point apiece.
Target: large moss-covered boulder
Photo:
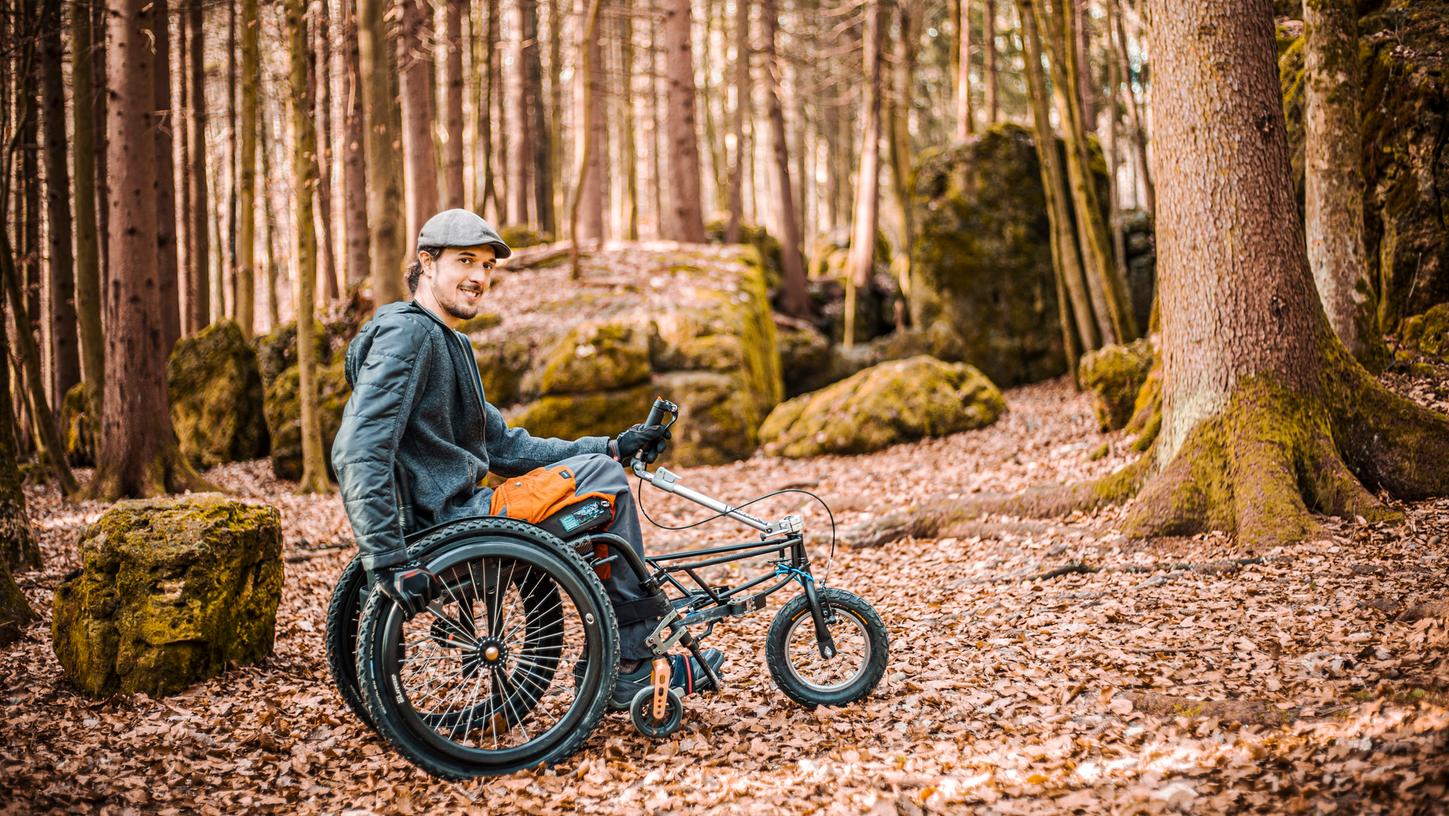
(1428, 333)
(758, 237)
(1404, 53)
(1113, 375)
(689, 322)
(216, 397)
(981, 262)
(283, 407)
(277, 350)
(169, 591)
(893, 402)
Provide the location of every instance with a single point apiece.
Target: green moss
(503, 363)
(277, 350)
(598, 413)
(283, 410)
(893, 402)
(78, 422)
(1428, 333)
(169, 592)
(1114, 375)
(595, 357)
(216, 397)
(518, 236)
(479, 322)
(758, 237)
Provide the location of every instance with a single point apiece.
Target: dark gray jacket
(417, 402)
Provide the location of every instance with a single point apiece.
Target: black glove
(408, 584)
(646, 440)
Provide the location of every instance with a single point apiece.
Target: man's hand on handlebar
(409, 585)
(647, 441)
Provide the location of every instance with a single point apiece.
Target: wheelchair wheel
(342, 617)
(510, 667)
(641, 713)
(794, 657)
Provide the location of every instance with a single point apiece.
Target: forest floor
(1151, 676)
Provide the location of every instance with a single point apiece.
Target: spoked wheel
(807, 677)
(509, 667)
(342, 617)
(641, 713)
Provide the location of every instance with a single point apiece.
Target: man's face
(456, 280)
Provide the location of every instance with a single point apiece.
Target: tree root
(167, 472)
(1219, 567)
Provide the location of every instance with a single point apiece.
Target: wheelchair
(513, 664)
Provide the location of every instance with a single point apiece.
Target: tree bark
(451, 194)
(415, 69)
(1065, 255)
(387, 245)
(588, 51)
(794, 299)
(137, 453)
(248, 122)
(87, 241)
(991, 82)
(555, 107)
(656, 128)
(64, 355)
(1134, 117)
(166, 122)
(1334, 183)
(591, 141)
(537, 123)
(304, 180)
(520, 122)
(629, 148)
(743, 89)
(1081, 45)
(685, 221)
(861, 259)
(198, 250)
(354, 155)
(898, 132)
(329, 287)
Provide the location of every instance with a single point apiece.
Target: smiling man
(418, 415)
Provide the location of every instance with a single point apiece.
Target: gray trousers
(598, 473)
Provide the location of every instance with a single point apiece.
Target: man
(418, 412)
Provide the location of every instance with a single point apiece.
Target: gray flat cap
(460, 228)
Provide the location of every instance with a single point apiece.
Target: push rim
(823, 675)
(512, 622)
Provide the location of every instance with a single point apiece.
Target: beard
(456, 307)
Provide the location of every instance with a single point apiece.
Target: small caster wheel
(642, 714)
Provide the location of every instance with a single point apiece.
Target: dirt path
(1142, 679)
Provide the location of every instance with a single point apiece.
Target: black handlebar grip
(657, 411)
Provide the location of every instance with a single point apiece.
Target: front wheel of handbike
(861, 650)
(509, 668)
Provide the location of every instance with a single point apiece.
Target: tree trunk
(15, 611)
(588, 53)
(451, 193)
(965, 116)
(1065, 255)
(743, 89)
(387, 245)
(1333, 183)
(64, 356)
(712, 143)
(248, 122)
(354, 155)
(685, 221)
(1111, 144)
(87, 241)
(498, 160)
(228, 227)
(137, 453)
(627, 134)
(165, 122)
(861, 259)
(329, 287)
(794, 300)
(198, 249)
(269, 228)
(591, 141)
(1081, 45)
(520, 122)
(992, 80)
(898, 132)
(1134, 118)
(415, 69)
(304, 179)
(98, 140)
(538, 123)
(656, 128)
(555, 107)
(18, 548)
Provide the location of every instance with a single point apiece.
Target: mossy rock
(1404, 56)
(875, 303)
(78, 423)
(277, 350)
(718, 422)
(1114, 375)
(519, 236)
(893, 402)
(595, 356)
(597, 413)
(981, 261)
(1428, 333)
(805, 351)
(503, 364)
(216, 397)
(1141, 239)
(758, 237)
(169, 592)
(283, 410)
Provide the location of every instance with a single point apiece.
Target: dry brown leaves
(1118, 690)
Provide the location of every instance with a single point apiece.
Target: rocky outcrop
(1114, 375)
(893, 402)
(283, 408)
(981, 262)
(1404, 46)
(216, 397)
(689, 322)
(169, 591)
(1428, 333)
